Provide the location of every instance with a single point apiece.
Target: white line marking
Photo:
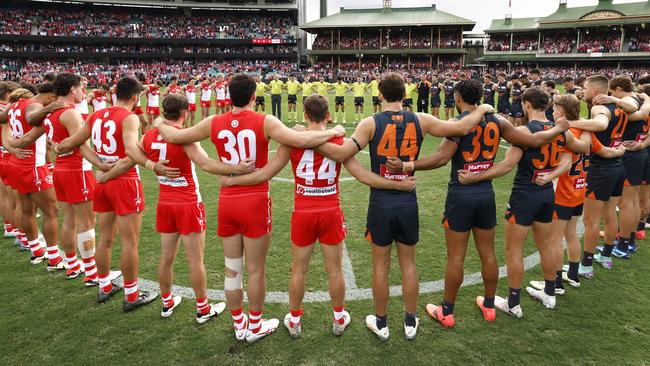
(348, 271)
(290, 180)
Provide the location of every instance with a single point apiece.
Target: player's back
(449, 90)
(106, 136)
(612, 136)
(239, 136)
(182, 189)
(535, 161)
(57, 132)
(571, 186)
(317, 179)
(19, 127)
(396, 134)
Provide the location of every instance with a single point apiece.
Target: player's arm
(610, 153)
(273, 167)
(135, 151)
(598, 122)
(28, 138)
(523, 137)
(562, 167)
(75, 140)
(72, 121)
(120, 167)
(196, 153)
(351, 146)
(199, 132)
(644, 110)
(446, 150)
(36, 112)
(628, 104)
(576, 145)
(375, 181)
(277, 131)
(513, 155)
(436, 127)
(6, 142)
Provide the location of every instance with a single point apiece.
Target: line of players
(542, 150)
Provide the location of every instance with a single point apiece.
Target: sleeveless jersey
(449, 90)
(206, 92)
(99, 101)
(182, 189)
(396, 134)
(56, 132)
(612, 136)
(221, 91)
(538, 160)
(114, 95)
(190, 93)
(516, 93)
(635, 130)
(106, 132)
(175, 89)
(3, 152)
(19, 127)
(239, 136)
(317, 179)
(82, 106)
(475, 153)
(572, 185)
(435, 91)
(488, 94)
(504, 93)
(153, 97)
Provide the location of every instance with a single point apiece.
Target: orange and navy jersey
(538, 160)
(572, 185)
(317, 179)
(182, 189)
(613, 135)
(19, 127)
(476, 152)
(636, 130)
(516, 92)
(449, 90)
(397, 134)
(239, 136)
(56, 132)
(106, 136)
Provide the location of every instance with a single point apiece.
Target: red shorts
(228, 101)
(206, 104)
(185, 218)
(122, 196)
(27, 180)
(138, 110)
(84, 116)
(328, 227)
(246, 214)
(153, 111)
(221, 103)
(191, 107)
(74, 186)
(4, 167)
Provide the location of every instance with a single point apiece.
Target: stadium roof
(389, 17)
(603, 14)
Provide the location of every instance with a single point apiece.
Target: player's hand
(339, 131)
(100, 176)
(14, 143)
(394, 165)
(298, 127)
(54, 106)
(407, 185)
(487, 108)
(542, 179)
(632, 145)
(563, 123)
(225, 181)
(161, 168)
(603, 99)
(466, 177)
(22, 153)
(104, 167)
(642, 96)
(246, 166)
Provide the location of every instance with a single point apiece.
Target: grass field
(48, 320)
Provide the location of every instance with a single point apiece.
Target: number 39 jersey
(106, 135)
(317, 179)
(475, 153)
(239, 136)
(19, 127)
(538, 160)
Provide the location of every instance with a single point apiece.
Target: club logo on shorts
(138, 201)
(234, 123)
(85, 192)
(49, 179)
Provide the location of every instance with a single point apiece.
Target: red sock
(202, 306)
(131, 290)
(295, 317)
(168, 300)
(90, 268)
(338, 314)
(105, 284)
(73, 263)
(254, 321)
(35, 246)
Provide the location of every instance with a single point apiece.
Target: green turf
(47, 319)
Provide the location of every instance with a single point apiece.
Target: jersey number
(109, 128)
(580, 165)
(48, 127)
(16, 126)
(238, 146)
(388, 143)
(305, 169)
(618, 130)
(550, 156)
(490, 140)
(162, 148)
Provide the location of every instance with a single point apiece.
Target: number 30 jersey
(239, 136)
(106, 135)
(538, 160)
(317, 179)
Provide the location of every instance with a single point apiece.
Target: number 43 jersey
(106, 135)
(317, 179)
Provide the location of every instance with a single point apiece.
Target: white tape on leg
(235, 265)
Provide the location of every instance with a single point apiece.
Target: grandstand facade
(605, 34)
(406, 38)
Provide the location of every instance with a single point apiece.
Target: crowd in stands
(421, 40)
(322, 42)
(398, 40)
(349, 42)
(499, 43)
(558, 73)
(450, 39)
(46, 47)
(369, 41)
(558, 43)
(600, 42)
(639, 43)
(525, 43)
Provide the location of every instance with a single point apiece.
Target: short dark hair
(316, 108)
(567, 79)
(622, 81)
(535, 72)
(242, 89)
(127, 87)
(488, 76)
(550, 84)
(538, 98)
(470, 91)
(644, 80)
(44, 88)
(64, 81)
(645, 88)
(502, 74)
(49, 77)
(391, 86)
(104, 86)
(174, 105)
(580, 81)
(29, 86)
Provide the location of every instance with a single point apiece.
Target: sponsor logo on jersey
(383, 171)
(537, 173)
(580, 183)
(615, 143)
(173, 182)
(640, 137)
(478, 167)
(315, 191)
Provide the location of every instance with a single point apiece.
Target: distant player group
(600, 164)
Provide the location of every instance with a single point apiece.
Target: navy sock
(558, 280)
(641, 226)
(488, 302)
(607, 249)
(573, 271)
(623, 245)
(447, 308)
(409, 319)
(514, 295)
(633, 240)
(549, 287)
(382, 321)
(587, 259)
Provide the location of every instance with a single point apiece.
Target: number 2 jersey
(55, 131)
(317, 179)
(612, 136)
(397, 134)
(535, 161)
(106, 135)
(572, 185)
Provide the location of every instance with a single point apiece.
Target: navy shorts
(450, 103)
(376, 101)
(435, 102)
(407, 102)
(529, 205)
(503, 108)
(464, 211)
(339, 100)
(291, 99)
(259, 101)
(646, 171)
(516, 110)
(567, 213)
(635, 163)
(358, 101)
(605, 182)
(388, 224)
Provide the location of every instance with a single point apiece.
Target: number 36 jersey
(106, 135)
(239, 136)
(538, 160)
(317, 179)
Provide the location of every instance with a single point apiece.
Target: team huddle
(567, 167)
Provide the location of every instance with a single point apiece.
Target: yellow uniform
(276, 87)
(292, 87)
(359, 89)
(307, 89)
(411, 91)
(374, 88)
(322, 87)
(261, 89)
(340, 89)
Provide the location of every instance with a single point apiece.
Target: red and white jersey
(99, 101)
(19, 127)
(153, 97)
(227, 91)
(221, 91)
(106, 127)
(174, 89)
(182, 189)
(82, 107)
(206, 92)
(56, 132)
(3, 151)
(190, 93)
(239, 136)
(114, 95)
(317, 179)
